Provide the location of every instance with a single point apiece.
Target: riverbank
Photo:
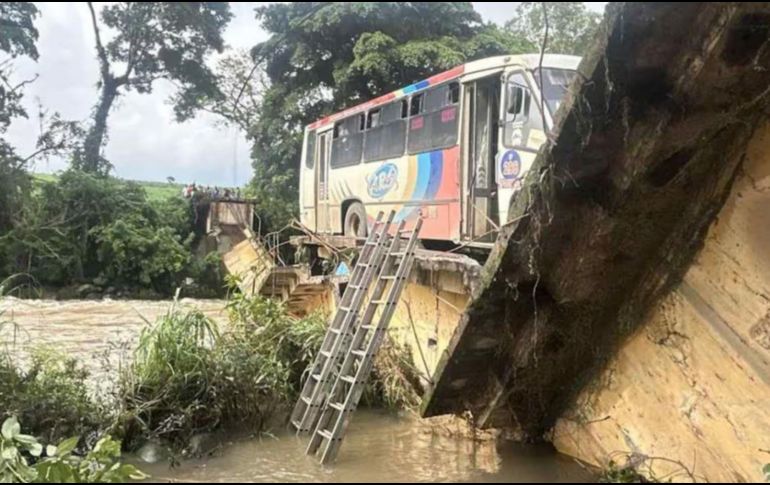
(379, 445)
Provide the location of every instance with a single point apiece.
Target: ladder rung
(316, 377)
(335, 330)
(399, 253)
(368, 327)
(306, 400)
(348, 379)
(326, 353)
(389, 277)
(296, 423)
(325, 434)
(380, 302)
(360, 353)
(345, 308)
(338, 406)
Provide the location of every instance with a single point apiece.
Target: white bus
(452, 149)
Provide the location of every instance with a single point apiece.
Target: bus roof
(528, 61)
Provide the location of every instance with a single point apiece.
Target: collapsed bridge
(633, 282)
(644, 153)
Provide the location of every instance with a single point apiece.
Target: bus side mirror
(515, 100)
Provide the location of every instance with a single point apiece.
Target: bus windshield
(555, 85)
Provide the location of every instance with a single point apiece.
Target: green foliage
(52, 395)
(324, 56)
(766, 471)
(189, 377)
(264, 335)
(17, 29)
(395, 383)
(85, 228)
(14, 185)
(167, 392)
(571, 26)
(134, 252)
(23, 459)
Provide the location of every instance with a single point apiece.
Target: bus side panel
(425, 185)
(441, 218)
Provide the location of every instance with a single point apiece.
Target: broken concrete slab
(644, 153)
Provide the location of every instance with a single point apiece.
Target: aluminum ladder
(337, 339)
(346, 392)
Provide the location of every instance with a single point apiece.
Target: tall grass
(167, 391)
(191, 377)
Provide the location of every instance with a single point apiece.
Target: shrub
(52, 395)
(25, 460)
(167, 393)
(188, 378)
(134, 253)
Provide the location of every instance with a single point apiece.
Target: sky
(145, 143)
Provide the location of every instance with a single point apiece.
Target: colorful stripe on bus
(431, 191)
(431, 81)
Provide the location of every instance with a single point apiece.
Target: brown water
(378, 446)
(86, 328)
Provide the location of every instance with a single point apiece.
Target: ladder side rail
(352, 396)
(343, 332)
(356, 343)
(321, 358)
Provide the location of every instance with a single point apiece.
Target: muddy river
(378, 447)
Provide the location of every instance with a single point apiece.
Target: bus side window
(310, 150)
(454, 93)
(386, 136)
(404, 108)
(437, 126)
(373, 119)
(522, 114)
(416, 105)
(348, 141)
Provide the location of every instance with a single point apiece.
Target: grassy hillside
(155, 190)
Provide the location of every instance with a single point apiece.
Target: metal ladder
(337, 340)
(343, 399)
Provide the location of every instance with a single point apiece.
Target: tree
(571, 26)
(151, 41)
(324, 56)
(236, 101)
(17, 29)
(17, 38)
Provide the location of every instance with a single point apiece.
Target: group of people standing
(215, 193)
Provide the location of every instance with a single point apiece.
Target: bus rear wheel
(355, 221)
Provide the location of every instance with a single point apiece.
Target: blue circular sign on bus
(510, 169)
(382, 180)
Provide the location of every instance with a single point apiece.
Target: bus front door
(323, 150)
(482, 101)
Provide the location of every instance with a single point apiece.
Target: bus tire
(355, 221)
